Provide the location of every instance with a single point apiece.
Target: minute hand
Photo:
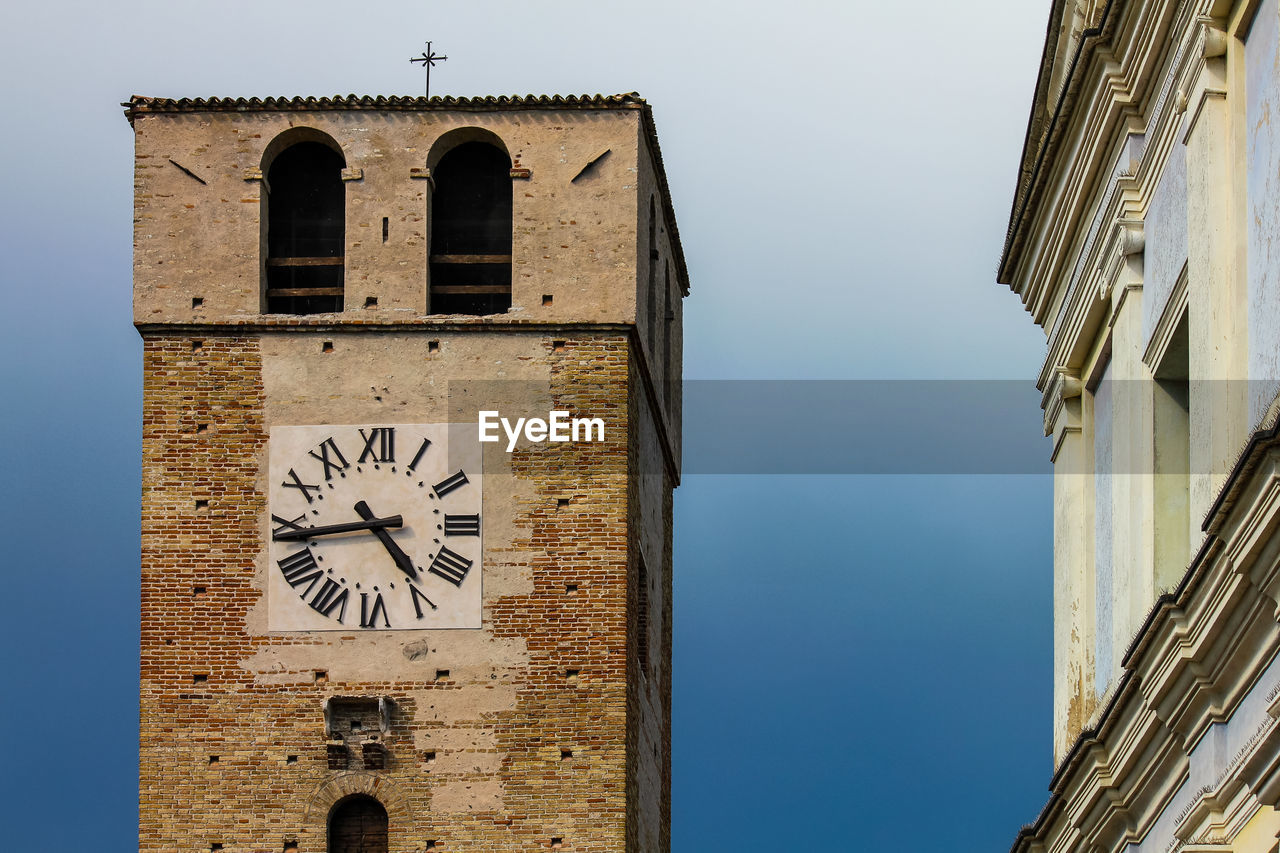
(370, 523)
(401, 558)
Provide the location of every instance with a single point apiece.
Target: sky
(862, 642)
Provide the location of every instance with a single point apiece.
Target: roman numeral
(297, 483)
(417, 457)
(339, 462)
(461, 525)
(450, 566)
(417, 594)
(385, 439)
(369, 616)
(448, 484)
(286, 524)
(328, 598)
(299, 568)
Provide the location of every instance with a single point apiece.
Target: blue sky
(875, 654)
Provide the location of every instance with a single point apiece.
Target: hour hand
(370, 523)
(401, 558)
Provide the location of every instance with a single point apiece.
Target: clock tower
(411, 430)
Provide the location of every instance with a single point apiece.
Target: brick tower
(364, 629)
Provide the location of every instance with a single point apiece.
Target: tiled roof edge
(139, 104)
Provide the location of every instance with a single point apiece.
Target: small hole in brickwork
(546, 299)
(213, 759)
(291, 759)
(198, 591)
(197, 302)
(196, 346)
(571, 674)
(386, 228)
(202, 427)
(566, 754)
(371, 302)
(168, 642)
(291, 847)
(557, 843)
(429, 756)
(215, 846)
(199, 678)
(561, 503)
(442, 674)
(321, 675)
(571, 587)
(327, 346)
(557, 346)
(433, 346)
(431, 845)
(202, 503)
(355, 726)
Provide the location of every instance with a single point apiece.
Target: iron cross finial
(428, 59)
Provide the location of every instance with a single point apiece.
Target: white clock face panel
(374, 527)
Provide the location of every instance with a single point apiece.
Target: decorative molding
(1213, 37)
(1206, 94)
(1162, 335)
(1125, 240)
(343, 785)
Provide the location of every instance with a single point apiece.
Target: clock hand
(401, 558)
(370, 523)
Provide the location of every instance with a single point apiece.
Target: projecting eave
(1057, 92)
(139, 105)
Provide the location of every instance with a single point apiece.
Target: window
(1171, 417)
(305, 230)
(358, 825)
(471, 231)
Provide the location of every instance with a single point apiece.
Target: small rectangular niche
(433, 346)
(442, 674)
(546, 300)
(386, 228)
(215, 846)
(431, 846)
(196, 346)
(429, 756)
(571, 674)
(198, 591)
(213, 759)
(197, 302)
(291, 847)
(562, 503)
(202, 504)
(570, 587)
(565, 754)
(321, 676)
(371, 302)
(327, 346)
(557, 346)
(202, 428)
(199, 677)
(557, 843)
(291, 759)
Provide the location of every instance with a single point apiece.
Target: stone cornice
(1130, 184)
(1197, 656)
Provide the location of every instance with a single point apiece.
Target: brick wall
(500, 739)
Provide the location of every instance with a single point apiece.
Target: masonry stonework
(547, 727)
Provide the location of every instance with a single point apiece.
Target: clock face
(374, 527)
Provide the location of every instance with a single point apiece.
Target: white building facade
(1144, 239)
